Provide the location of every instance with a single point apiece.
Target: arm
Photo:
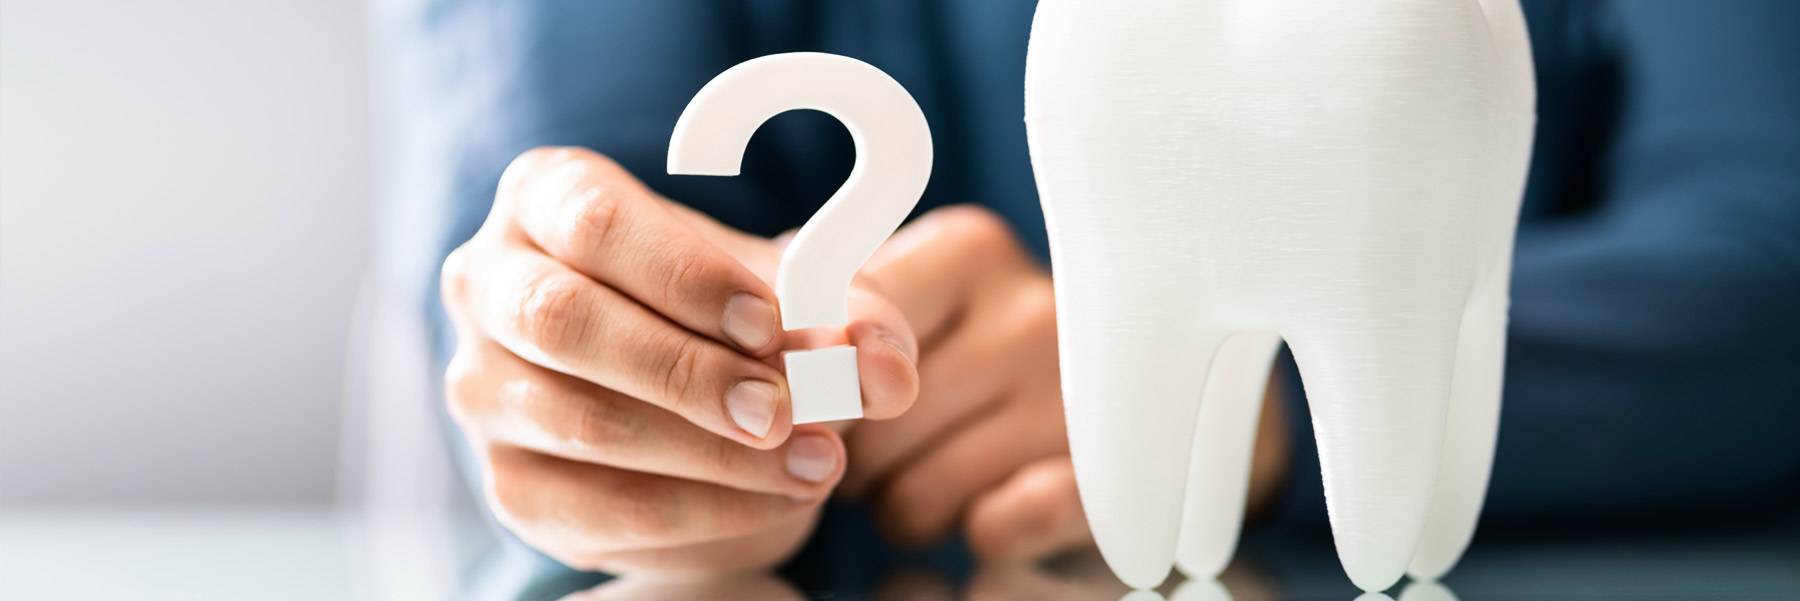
(1652, 350)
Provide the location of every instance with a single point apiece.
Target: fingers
(616, 363)
(886, 353)
(960, 382)
(924, 499)
(579, 511)
(589, 213)
(546, 313)
(885, 349)
(962, 377)
(961, 250)
(495, 396)
(1034, 514)
(760, 255)
(880, 331)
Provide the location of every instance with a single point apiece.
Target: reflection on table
(148, 554)
(1742, 565)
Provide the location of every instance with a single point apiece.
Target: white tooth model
(1218, 175)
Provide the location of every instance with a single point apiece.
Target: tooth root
(1156, 144)
(1377, 387)
(1130, 395)
(1472, 423)
(1474, 410)
(1224, 437)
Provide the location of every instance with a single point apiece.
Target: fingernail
(811, 458)
(752, 405)
(750, 321)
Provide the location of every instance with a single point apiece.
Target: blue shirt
(1655, 326)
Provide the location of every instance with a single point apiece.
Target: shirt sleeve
(1655, 333)
(1653, 339)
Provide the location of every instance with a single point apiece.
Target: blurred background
(183, 230)
(187, 197)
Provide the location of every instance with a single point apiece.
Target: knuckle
(978, 227)
(681, 366)
(643, 516)
(726, 457)
(1036, 326)
(564, 155)
(549, 312)
(1038, 304)
(453, 277)
(981, 234)
(510, 499)
(739, 512)
(593, 422)
(459, 383)
(584, 191)
(521, 170)
(593, 216)
(684, 267)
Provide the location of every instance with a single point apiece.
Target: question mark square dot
(825, 384)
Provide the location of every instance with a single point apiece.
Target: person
(609, 333)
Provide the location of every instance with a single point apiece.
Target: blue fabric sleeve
(1656, 341)
(473, 83)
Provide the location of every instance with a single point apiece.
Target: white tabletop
(187, 553)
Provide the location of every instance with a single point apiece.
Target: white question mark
(893, 162)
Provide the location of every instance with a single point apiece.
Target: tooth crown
(1216, 174)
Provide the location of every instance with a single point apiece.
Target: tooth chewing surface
(1218, 176)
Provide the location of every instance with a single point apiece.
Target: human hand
(986, 444)
(614, 372)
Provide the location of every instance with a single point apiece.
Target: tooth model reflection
(1218, 175)
(1426, 591)
(1142, 595)
(1200, 590)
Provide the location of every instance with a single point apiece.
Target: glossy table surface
(300, 553)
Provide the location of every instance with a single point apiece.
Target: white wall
(186, 191)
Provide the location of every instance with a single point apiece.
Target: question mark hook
(893, 162)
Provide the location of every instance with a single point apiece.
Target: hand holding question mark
(893, 163)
